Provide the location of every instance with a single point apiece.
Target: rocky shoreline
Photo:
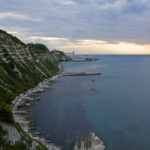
(20, 115)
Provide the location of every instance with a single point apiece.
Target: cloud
(104, 47)
(15, 15)
(85, 22)
(90, 42)
(117, 4)
(47, 38)
(65, 2)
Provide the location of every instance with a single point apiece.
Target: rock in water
(92, 142)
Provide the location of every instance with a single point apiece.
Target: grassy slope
(11, 84)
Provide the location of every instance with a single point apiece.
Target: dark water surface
(115, 105)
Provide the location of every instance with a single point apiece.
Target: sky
(83, 26)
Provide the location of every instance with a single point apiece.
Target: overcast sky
(86, 26)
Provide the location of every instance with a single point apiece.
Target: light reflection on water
(115, 105)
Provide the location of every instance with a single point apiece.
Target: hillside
(21, 68)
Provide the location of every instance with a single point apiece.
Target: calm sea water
(115, 105)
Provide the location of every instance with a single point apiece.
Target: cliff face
(22, 67)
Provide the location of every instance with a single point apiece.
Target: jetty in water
(84, 59)
(80, 73)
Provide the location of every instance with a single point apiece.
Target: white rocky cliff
(92, 142)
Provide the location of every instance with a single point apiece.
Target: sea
(114, 105)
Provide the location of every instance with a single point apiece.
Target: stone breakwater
(83, 59)
(81, 74)
(20, 114)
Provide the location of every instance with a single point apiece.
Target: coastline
(25, 99)
(21, 116)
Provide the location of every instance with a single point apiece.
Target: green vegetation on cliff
(22, 67)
